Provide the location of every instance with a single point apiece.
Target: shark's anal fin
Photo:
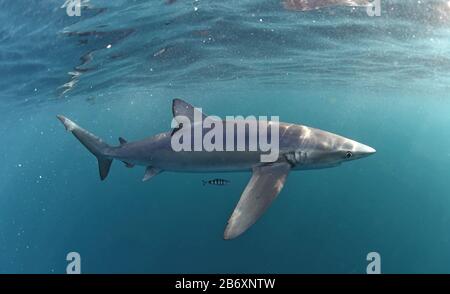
(264, 186)
(122, 141)
(150, 172)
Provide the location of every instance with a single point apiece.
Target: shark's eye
(348, 154)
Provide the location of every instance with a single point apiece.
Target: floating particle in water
(160, 52)
(306, 5)
(91, 100)
(109, 46)
(201, 33)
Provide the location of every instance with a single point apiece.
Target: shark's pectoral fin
(263, 188)
(150, 172)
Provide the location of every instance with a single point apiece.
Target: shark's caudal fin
(93, 143)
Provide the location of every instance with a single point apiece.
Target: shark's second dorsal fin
(122, 141)
(127, 164)
(182, 108)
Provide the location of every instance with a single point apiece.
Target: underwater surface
(381, 80)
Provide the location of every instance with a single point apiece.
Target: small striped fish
(216, 182)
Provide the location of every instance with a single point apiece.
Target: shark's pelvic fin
(150, 172)
(182, 108)
(264, 186)
(93, 143)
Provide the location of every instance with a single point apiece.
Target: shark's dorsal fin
(150, 172)
(182, 108)
(122, 141)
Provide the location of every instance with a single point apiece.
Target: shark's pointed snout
(371, 151)
(363, 150)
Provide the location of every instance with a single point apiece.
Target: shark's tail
(92, 143)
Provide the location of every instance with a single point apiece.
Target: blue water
(383, 81)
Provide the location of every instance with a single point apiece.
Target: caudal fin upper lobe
(93, 143)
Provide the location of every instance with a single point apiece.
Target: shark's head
(325, 149)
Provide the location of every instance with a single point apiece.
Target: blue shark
(300, 148)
